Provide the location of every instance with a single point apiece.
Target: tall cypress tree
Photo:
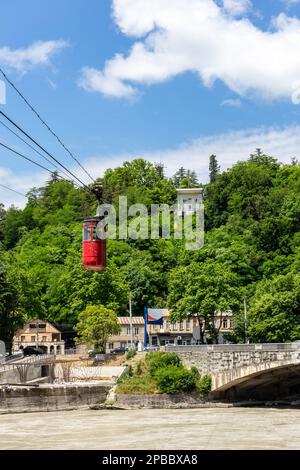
(214, 168)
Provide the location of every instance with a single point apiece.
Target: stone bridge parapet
(233, 366)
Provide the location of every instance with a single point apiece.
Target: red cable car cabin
(93, 249)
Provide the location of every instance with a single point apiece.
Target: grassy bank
(163, 373)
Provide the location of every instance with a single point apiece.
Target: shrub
(203, 386)
(131, 353)
(175, 379)
(196, 373)
(161, 360)
(137, 385)
(139, 369)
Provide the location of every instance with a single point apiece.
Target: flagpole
(145, 327)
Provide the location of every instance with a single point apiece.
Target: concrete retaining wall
(12, 376)
(182, 400)
(50, 398)
(85, 373)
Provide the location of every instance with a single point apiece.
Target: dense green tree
(11, 315)
(201, 290)
(96, 323)
(274, 316)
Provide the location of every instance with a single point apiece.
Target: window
(42, 326)
(168, 325)
(225, 324)
(128, 330)
(86, 233)
(231, 323)
(188, 325)
(32, 338)
(22, 338)
(32, 326)
(110, 345)
(44, 338)
(136, 331)
(181, 326)
(175, 326)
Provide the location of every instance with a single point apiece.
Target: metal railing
(234, 347)
(28, 361)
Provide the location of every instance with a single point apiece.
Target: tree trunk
(201, 330)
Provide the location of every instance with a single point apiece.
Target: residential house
(39, 334)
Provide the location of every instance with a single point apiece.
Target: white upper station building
(189, 200)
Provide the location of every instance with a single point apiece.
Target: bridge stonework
(246, 370)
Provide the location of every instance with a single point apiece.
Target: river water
(214, 428)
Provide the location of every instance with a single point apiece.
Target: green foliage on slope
(252, 250)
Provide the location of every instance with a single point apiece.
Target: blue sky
(170, 81)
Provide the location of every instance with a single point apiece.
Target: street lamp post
(245, 321)
(130, 314)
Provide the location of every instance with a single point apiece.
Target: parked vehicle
(120, 350)
(93, 353)
(31, 351)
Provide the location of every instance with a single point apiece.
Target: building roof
(35, 320)
(189, 190)
(135, 320)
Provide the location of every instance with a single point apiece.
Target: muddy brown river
(233, 428)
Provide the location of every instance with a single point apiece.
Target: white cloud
(230, 147)
(237, 7)
(235, 103)
(199, 36)
(38, 53)
(290, 3)
(19, 182)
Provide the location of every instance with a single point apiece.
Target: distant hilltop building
(189, 200)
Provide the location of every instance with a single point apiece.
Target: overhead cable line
(45, 124)
(29, 159)
(34, 149)
(13, 190)
(43, 149)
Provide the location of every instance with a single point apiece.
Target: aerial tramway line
(93, 248)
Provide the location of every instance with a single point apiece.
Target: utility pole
(37, 334)
(130, 314)
(245, 321)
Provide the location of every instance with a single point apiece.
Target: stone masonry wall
(213, 362)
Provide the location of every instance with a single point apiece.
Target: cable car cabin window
(94, 234)
(87, 233)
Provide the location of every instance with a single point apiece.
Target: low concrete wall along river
(22, 399)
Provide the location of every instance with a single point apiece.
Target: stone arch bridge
(246, 372)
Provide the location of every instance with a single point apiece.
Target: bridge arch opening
(279, 383)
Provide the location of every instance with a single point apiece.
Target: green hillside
(252, 251)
